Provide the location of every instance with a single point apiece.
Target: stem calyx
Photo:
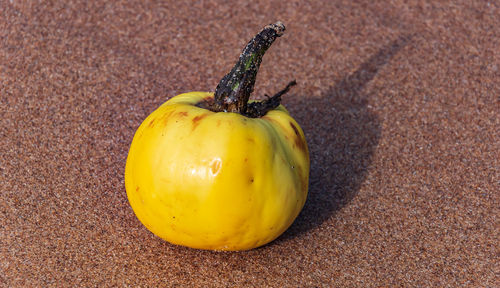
(233, 91)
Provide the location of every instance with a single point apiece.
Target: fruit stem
(233, 91)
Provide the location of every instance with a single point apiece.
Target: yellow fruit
(218, 181)
(214, 171)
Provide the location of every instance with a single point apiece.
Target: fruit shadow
(342, 134)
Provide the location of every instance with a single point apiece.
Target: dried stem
(233, 91)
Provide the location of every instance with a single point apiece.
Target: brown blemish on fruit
(151, 124)
(166, 117)
(196, 120)
(299, 142)
(183, 113)
(295, 129)
(215, 166)
(139, 195)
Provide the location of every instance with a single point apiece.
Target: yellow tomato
(216, 180)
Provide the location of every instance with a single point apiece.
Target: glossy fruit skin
(217, 181)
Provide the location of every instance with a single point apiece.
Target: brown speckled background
(399, 101)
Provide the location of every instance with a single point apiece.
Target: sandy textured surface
(399, 102)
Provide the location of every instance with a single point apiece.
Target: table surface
(399, 102)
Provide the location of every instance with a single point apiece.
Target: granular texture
(399, 101)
